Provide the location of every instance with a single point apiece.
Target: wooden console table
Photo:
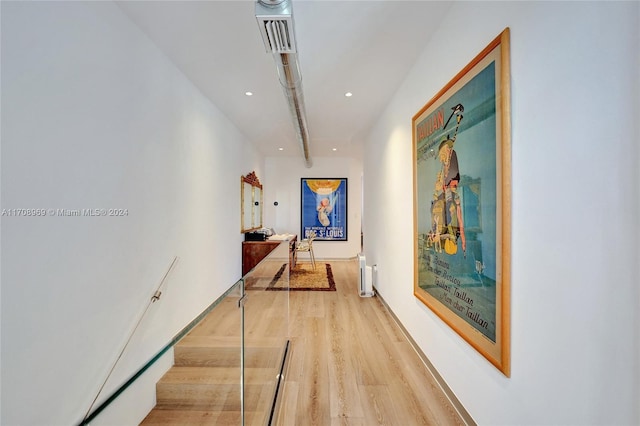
(254, 251)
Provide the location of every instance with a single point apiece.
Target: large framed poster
(462, 203)
(324, 208)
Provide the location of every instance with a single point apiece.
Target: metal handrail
(182, 333)
(154, 298)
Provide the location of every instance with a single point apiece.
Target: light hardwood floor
(348, 364)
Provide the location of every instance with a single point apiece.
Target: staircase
(204, 385)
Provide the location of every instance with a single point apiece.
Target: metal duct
(275, 19)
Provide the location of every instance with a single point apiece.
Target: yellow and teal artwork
(461, 152)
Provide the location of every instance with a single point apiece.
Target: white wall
(282, 184)
(95, 116)
(575, 299)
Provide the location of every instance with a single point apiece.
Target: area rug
(304, 278)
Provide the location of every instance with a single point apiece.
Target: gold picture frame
(462, 176)
(251, 197)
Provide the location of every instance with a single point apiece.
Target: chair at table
(306, 245)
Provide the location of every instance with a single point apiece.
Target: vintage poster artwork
(455, 169)
(459, 174)
(324, 208)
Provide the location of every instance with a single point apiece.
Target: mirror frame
(256, 214)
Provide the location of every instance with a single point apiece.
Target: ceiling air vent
(275, 20)
(276, 27)
(278, 37)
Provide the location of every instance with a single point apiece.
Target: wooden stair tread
(227, 341)
(159, 416)
(217, 389)
(209, 375)
(217, 397)
(254, 357)
(208, 341)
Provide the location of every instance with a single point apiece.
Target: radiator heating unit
(366, 277)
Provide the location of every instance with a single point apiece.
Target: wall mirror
(251, 203)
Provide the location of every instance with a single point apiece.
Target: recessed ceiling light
(334, 149)
(248, 93)
(348, 94)
(280, 149)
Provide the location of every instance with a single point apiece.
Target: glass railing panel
(225, 365)
(204, 383)
(206, 379)
(266, 313)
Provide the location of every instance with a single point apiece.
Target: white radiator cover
(365, 286)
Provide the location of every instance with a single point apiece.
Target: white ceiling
(363, 47)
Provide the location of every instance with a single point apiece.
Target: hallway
(113, 107)
(348, 362)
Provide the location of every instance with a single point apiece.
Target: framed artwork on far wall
(462, 203)
(323, 208)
